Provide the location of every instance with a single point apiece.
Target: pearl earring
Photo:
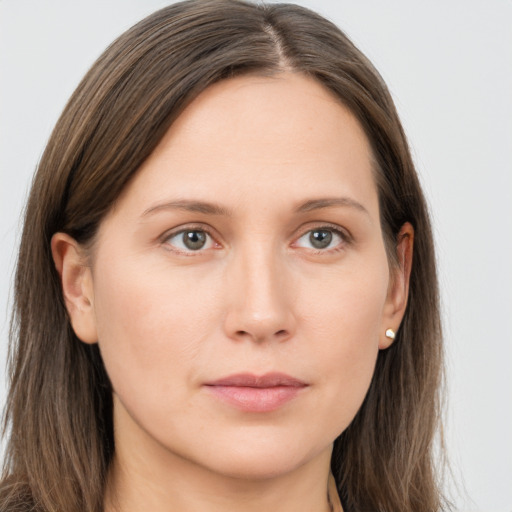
(390, 334)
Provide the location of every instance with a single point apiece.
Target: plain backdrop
(449, 67)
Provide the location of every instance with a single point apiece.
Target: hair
(58, 416)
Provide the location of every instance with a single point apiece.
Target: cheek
(344, 324)
(151, 326)
(347, 305)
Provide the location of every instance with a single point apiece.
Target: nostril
(283, 333)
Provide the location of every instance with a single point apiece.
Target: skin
(258, 297)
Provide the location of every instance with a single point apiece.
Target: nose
(260, 304)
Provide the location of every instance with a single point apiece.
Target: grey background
(449, 67)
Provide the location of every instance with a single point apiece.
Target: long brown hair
(59, 409)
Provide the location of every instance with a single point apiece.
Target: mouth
(256, 393)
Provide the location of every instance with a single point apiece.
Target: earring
(390, 334)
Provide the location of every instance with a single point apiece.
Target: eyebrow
(189, 206)
(329, 202)
(208, 208)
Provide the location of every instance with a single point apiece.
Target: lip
(256, 393)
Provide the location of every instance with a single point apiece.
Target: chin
(257, 467)
(261, 459)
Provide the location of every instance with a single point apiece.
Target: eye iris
(194, 240)
(320, 239)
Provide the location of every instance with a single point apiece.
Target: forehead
(249, 137)
(288, 112)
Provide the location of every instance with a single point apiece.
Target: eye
(190, 240)
(320, 239)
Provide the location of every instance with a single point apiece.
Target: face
(239, 290)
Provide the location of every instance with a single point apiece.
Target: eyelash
(345, 237)
(191, 228)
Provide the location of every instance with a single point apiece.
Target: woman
(217, 304)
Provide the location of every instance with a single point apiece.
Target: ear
(398, 290)
(77, 285)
